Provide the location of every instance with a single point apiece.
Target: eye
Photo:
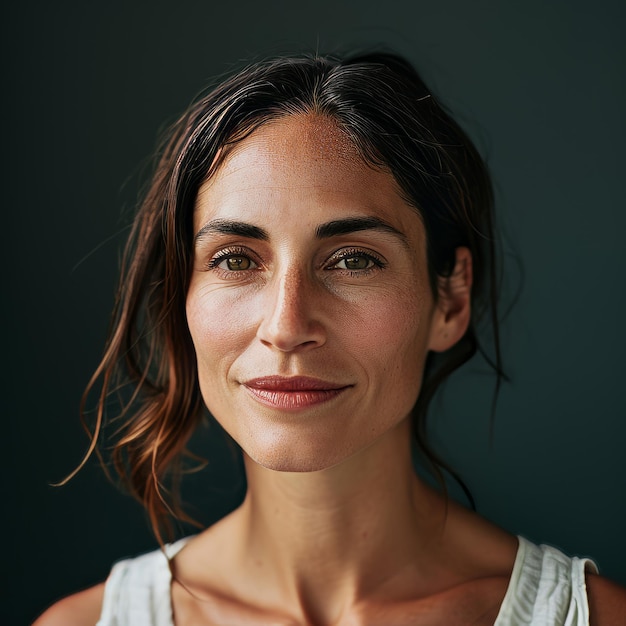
(236, 263)
(232, 260)
(355, 261)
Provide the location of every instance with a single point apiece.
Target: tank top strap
(138, 591)
(546, 588)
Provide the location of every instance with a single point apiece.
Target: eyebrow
(355, 224)
(323, 231)
(232, 227)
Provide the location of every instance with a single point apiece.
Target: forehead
(301, 163)
(298, 139)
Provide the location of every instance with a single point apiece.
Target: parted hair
(146, 384)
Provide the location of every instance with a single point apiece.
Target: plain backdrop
(538, 84)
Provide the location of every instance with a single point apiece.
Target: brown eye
(356, 263)
(232, 260)
(238, 263)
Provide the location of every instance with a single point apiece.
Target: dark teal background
(540, 86)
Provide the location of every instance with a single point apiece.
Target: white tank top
(546, 588)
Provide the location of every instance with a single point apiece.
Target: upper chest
(476, 603)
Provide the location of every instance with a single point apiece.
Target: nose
(290, 317)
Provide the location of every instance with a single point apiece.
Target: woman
(311, 261)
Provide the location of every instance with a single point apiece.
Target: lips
(293, 393)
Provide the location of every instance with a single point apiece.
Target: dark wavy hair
(395, 122)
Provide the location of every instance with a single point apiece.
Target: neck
(328, 538)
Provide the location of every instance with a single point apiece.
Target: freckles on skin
(221, 331)
(319, 147)
(367, 331)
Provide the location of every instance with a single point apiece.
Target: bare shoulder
(79, 609)
(481, 548)
(607, 601)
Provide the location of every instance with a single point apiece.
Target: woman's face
(309, 304)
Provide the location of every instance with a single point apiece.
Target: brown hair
(149, 364)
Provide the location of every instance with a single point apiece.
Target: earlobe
(451, 316)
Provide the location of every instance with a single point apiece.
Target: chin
(295, 456)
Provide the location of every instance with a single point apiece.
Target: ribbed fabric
(138, 591)
(546, 588)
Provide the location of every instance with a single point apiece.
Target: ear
(451, 316)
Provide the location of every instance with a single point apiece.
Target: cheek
(217, 327)
(216, 331)
(396, 319)
(393, 343)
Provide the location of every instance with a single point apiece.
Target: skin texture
(296, 311)
(336, 528)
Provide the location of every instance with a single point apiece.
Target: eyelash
(342, 255)
(336, 258)
(226, 253)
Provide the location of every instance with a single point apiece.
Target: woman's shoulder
(79, 609)
(541, 579)
(607, 601)
(547, 587)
